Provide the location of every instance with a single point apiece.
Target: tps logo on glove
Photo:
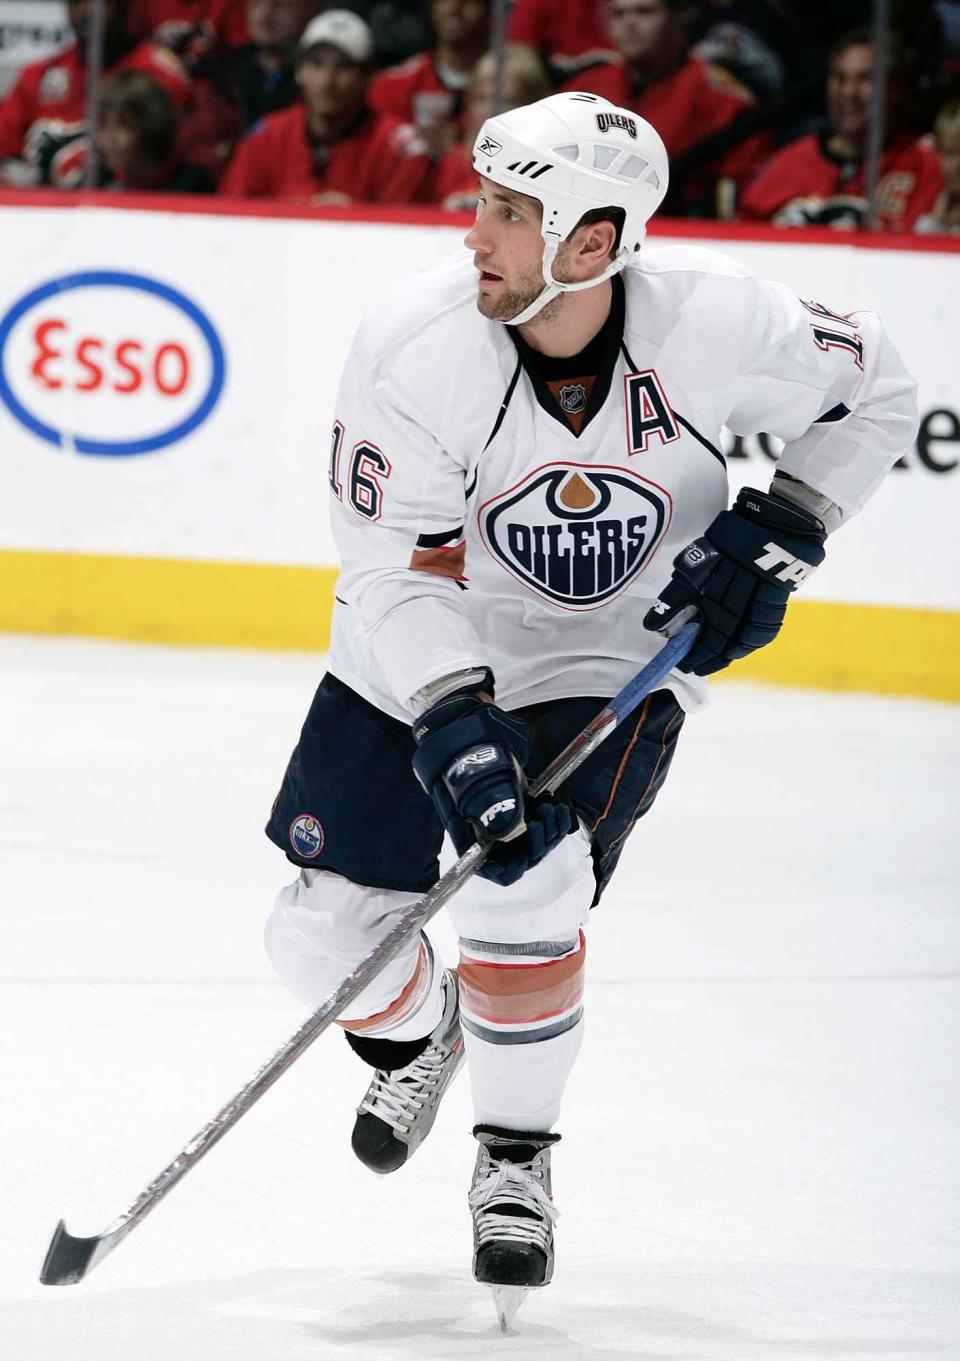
(793, 569)
(495, 809)
(738, 580)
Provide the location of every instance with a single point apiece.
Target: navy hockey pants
(350, 803)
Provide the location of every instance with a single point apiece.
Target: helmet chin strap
(553, 287)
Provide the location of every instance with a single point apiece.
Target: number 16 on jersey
(368, 466)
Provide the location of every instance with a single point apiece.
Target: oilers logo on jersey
(576, 534)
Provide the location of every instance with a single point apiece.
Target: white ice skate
(399, 1109)
(513, 1215)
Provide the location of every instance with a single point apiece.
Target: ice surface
(761, 1153)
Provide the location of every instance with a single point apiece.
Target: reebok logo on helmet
(606, 121)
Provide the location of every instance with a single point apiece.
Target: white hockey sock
(521, 1087)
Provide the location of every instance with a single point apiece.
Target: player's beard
(512, 301)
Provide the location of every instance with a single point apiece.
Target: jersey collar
(599, 356)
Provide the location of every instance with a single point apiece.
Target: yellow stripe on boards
(880, 648)
(828, 646)
(163, 600)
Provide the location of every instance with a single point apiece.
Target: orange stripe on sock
(401, 1007)
(512, 993)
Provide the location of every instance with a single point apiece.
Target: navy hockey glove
(469, 759)
(739, 577)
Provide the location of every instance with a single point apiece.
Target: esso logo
(109, 363)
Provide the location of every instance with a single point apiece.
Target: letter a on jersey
(648, 412)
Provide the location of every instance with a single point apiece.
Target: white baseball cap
(342, 29)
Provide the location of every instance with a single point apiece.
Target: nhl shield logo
(573, 398)
(306, 836)
(576, 534)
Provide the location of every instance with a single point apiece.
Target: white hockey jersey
(476, 528)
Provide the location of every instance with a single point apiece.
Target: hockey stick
(69, 1259)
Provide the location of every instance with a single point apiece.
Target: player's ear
(595, 244)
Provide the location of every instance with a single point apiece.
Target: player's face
(332, 85)
(849, 83)
(507, 251)
(638, 28)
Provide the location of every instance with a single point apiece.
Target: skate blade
(507, 1299)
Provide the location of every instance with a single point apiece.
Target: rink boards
(167, 383)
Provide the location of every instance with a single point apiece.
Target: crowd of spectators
(763, 104)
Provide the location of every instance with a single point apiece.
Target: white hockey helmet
(576, 152)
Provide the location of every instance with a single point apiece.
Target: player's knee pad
(322, 926)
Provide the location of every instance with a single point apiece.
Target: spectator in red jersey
(568, 35)
(428, 90)
(189, 28)
(525, 80)
(331, 148)
(258, 77)
(43, 132)
(136, 139)
(820, 179)
(686, 99)
(234, 89)
(944, 216)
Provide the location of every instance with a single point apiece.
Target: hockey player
(526, 484)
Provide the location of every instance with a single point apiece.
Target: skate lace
(398, 1097)
(508, 1187)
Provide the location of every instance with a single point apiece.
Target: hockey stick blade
(70, 1259)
